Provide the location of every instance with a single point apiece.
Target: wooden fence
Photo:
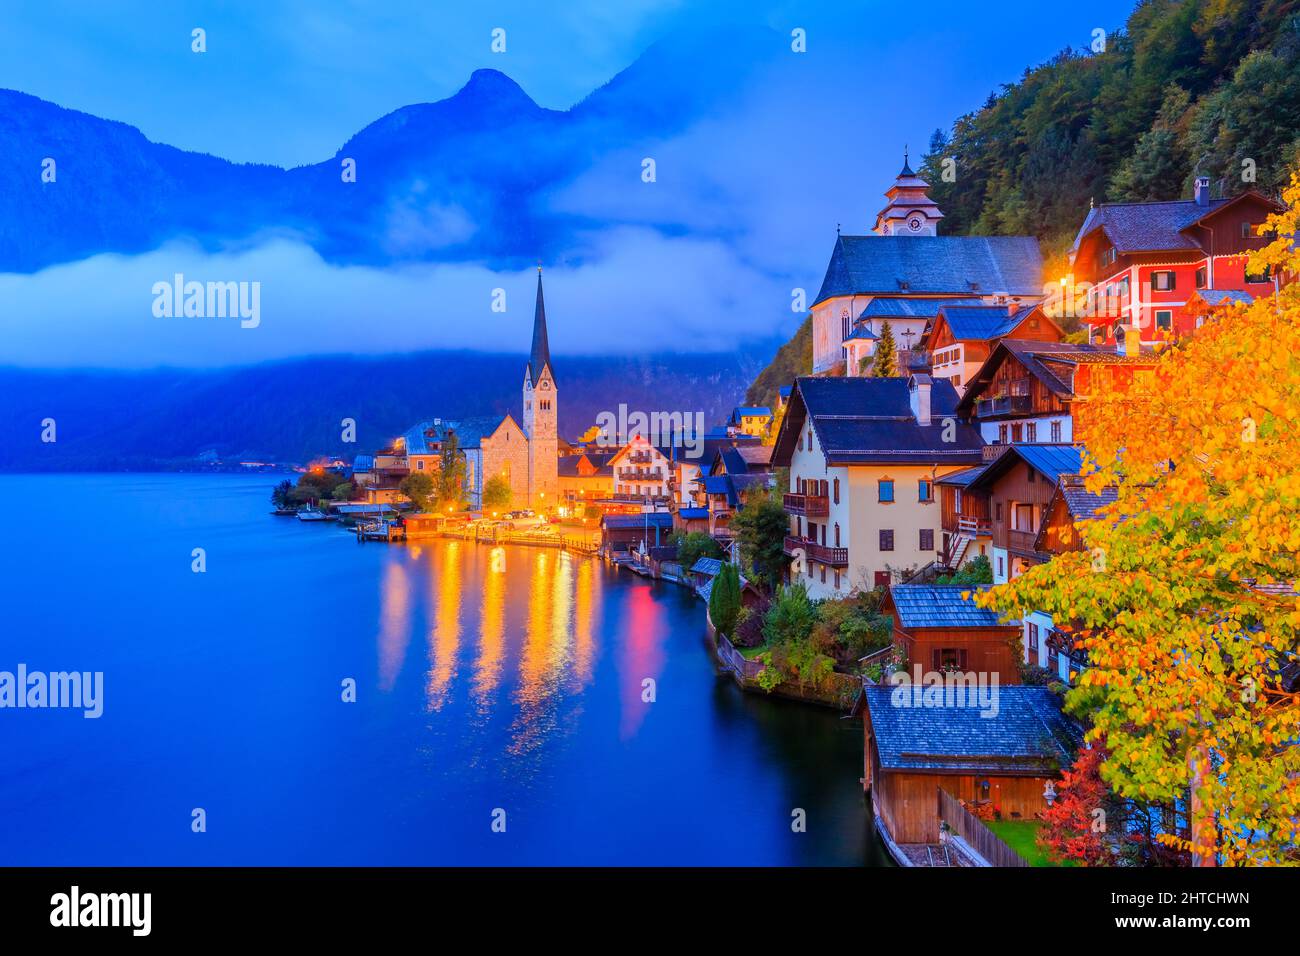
(971, 829)
(733, 660)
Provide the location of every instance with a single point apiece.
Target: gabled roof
(693, 514)
(938, 265)
(1155, 226)
(416, 438)
(869, 420)
(1049, 362)
(750, 411)
(363, 463)
(1051, 461)
(470, 432)
(1027, 736)
(742, 459)
(983, 322)
(932, 605)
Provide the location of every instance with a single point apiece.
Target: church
(526, 455)
(904, 272)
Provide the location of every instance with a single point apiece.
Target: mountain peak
(493, 86)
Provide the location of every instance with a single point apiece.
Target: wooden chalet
(964, 515)
(1004, 756)
(941, 629)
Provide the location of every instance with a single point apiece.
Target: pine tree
(886, 354)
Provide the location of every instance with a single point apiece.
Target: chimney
(1202, 190)
(918, 387)
(1013, 307)
(1132, 343)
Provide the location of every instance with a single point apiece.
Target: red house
(1141, 262)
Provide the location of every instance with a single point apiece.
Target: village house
(864, 455)
(749, 420)
(1027, 391)
(642, 473)
(585, 478)
(624, 534)
(897, 274)
(1009, 757)
(689, 471)
(967, 528)
(940, 628)
(961, 337)
(1141, 262)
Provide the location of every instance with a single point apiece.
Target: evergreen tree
(724, 599)
(885, 364)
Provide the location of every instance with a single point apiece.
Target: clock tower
(910, 211)
(540, 415)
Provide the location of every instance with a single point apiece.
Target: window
(927, 539)
(419, 464)
(997, 512)
(823, 574)
(1002, 434)
(1260, 277)
(924, 490)
(886, 540)
(1164, 319)
(1017, 433)
(949, 658)
(844, 325)
(1200, 278)
(1001, 569)
(1163, 281)
(882, 579)
(885, 490)
(1033, 475)
(1056, 433)
(1031, 432)
(801, 441)
(837, 490)
(810, 444)
(1247, 230)
(837, 534)
(1123, 288)
(1031, 644)
(1107, 257)
(837, 580)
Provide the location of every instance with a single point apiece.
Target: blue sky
(745, 211)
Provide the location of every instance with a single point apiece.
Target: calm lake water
(487, 678)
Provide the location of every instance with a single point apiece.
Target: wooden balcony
(971, 525)
(1004, 405)
(807, 506)
(1022, 541)
(834, 557)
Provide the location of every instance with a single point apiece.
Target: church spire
(540, 356)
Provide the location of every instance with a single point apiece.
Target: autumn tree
(1184, 596)
(497, 494)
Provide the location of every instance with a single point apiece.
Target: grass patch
(1022, 836)
(749, 653)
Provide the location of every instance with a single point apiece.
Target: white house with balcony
(864, 455)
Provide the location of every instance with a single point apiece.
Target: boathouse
(941, 629)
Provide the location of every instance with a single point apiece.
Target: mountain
(291, 411)
(462, 179)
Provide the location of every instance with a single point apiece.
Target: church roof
(933, 265)
(540, 356)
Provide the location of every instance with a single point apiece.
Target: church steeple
(540, 356)
(910, 210)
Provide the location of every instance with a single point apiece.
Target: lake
(487, 680)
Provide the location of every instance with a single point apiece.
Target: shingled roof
(933, 605)
(983, 322)
(1052, 363)
(933, 265)
(1028, 736)
(1052, 461)
(1155, 226)
(870, 420)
